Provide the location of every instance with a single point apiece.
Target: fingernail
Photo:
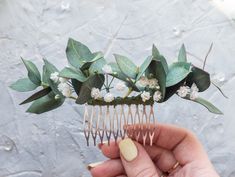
(128, 149)
(93, 165)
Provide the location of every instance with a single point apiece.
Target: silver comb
(104, 123)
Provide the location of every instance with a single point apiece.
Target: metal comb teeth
(103, 123)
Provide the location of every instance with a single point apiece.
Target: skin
(171, 145)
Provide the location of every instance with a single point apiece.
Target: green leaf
(207, 104)
(23, 85)
(144, 66)
(156, 55)
(170, 91)
(96, 81)
(182, 57)
(157, 70)
(97, 66)
(126, 66)
(44, 79)
(76, 85)
(87, 64)
(50, 68)
(155, 51)
(77, 53)
(44, 104)
(72, 74)
(200, 77)
(37, 95)
(33, 73)
(177, 72)
(117, 72)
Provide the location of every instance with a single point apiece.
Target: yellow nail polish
(93, 165)
(128, 149)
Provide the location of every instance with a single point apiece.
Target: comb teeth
(103, 123)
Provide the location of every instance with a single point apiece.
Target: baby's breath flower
(142, 82)
(95, 93)
(108, 97)
(65, 89)
(107, 69)
(63, 80)
(145, 96)
(183, 91)
(54, 77)
(120, 86)
(153, 83)
(157, 96)
(194, 92)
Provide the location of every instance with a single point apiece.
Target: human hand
(175, 152)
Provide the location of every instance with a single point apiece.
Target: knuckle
(146, 172)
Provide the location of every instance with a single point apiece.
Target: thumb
(135, 160)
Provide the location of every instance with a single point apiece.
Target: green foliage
(157, 70)
(156, 55)
(45, 103)
(23, 85)
(37, 95)
(87, 64)
(77, 53)
(182, 57)
(126, 66)
(177, 72)
(84, 95)
(33, 73)
(200, 77)
(72, 73)
(206, 104)
(96, 67)
(143, 67)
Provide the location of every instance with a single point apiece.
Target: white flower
(65, 89)
(95, 93)
(153, 83)
(54, 77)
(63, 80)
(194, 92)
(120, 86)
(142, 82)
(108, 97)
(107, 69)
(183, 91)
(67, 92)
(145, 96)
(157, 96)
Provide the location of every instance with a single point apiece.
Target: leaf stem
(204, 63)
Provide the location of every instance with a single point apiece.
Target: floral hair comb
(91, 81)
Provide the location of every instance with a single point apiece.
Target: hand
(176, 152)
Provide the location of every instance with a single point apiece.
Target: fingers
(163, 158)
(181, 142)
(109, 168)
(135, 159)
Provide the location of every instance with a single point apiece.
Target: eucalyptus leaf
(200, 77)
(177, 72)
(170, 91)
(157, 70)
(23, 85)
(49, 69)
(33, 73)
(96, 81)
(87, 64)
(72, 74)
(77, 53)
(207, 104)
(143, 67)
(37, 95)
(156, 55)
(44, 104)
(182, 57)
(126, 66)
(97, 66)
(76, 85)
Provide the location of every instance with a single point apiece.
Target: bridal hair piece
(118, 97)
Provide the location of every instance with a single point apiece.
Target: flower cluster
(185, 91)
(63, 86)
(145, 82)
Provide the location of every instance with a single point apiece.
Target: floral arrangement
(90, 79)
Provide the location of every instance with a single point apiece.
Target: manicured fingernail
(93, 165)
(128, 149)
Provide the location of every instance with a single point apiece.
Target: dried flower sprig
(90, 79)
